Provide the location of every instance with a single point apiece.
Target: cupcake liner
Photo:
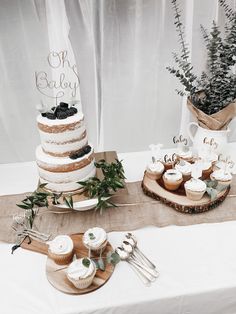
(172, 186)
(153, 175)
(194, 195)
(61, 259)
(83, 283)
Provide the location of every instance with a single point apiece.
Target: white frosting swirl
(184, 168)
(173, 175)
(94, 237)
(221, 175)
(77, 270)
(209, 156)
(61, 244)
(196, 185)
(183, 154)
(205, 165)
(156, 167)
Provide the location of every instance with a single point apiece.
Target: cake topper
(45, 85)
(180, 140)
(228, 162)
(155, 151)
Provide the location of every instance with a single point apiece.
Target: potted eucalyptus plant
(212, 95)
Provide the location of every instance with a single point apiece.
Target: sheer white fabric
(121, 48)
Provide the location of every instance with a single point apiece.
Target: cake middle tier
(60, 138)
(62, 174)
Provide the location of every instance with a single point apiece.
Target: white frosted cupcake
(60, 249)
(209, 156)
(223, 177)
(154, 170)
(172, 179)
(81, 272)
(195, 189)
(206, 167)
(185, 168)
(95, 239)
(185, 155)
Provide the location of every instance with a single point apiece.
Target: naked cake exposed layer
(61, 138)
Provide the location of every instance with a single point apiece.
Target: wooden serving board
(56, 274)
(178, 199)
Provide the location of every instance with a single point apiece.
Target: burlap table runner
(135, 210)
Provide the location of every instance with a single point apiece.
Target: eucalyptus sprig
(39, 198)
(218, 80)
(103, 189)
(213, 188)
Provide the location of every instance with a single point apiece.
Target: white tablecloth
(197, 266)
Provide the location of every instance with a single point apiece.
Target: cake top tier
(61, 112)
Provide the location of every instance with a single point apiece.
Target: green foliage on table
(39, 198)
(213, 188)
(218, 81)
(113, 179)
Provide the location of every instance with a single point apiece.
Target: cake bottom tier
(67, 182)
(62, 174)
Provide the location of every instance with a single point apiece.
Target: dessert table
(197, 264)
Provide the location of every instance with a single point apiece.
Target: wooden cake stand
(178, 200)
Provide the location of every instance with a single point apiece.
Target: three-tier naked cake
(64, 156)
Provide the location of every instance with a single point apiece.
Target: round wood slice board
(56, 274)
(178, 200)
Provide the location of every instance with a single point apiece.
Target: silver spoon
(124, 257)
(128, 248)
(131, 237)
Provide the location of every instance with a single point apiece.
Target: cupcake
(186, 155)
(209, 156)
(185, 168)
(155, 170)
(60, 249)
(206, 168)
(81, 272)
(223, 177)
(195, 189)
(95, 239)
(172, 179)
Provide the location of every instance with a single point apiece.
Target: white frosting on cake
(77, 269)
(66, 177)
(57, 148)
(72, 119)
(61, 244)
(185, 168)
(157, 167)
(195, 185)
(42, 157)
(221, 175)
(62, 137)
(69, 186)
(94, 237)
(173, 175)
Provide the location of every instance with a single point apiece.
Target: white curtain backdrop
(121, 48)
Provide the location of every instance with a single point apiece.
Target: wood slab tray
(56, 274)
(178, 200)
